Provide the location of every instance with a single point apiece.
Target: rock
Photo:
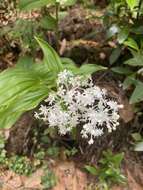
(69, 177)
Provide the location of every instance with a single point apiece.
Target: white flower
(44, 110)
(79, 102)
(113, 105)
(64, 76)
(114, 29)
(51, 98)
(36, 115)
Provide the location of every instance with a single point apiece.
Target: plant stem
(57, 25)
(139, 8)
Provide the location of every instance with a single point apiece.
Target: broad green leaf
(137, 29)
(136, 136)
(22, 89)
(137, 95)
(132, 3)
(89, 69)
(115, 55)
(117, 159)
(135, 61)
(51, 58)
(130, 80)
(123, 35)
(48, 22)
(68, 61)
(33, 4)
(26, 62)
(131, 43)
(69, 64)
(92, 170)
(85, 69)
(139, 147)
(122, 70)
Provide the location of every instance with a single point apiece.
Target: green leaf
(22, 89)
(137, 29)
(48, 180)
(33, 4)
(51, 58)
(92, 170)
(137, 95)
(85, 69)
(67, 61)
(89, 69)
(139, 147)
(122, 70)
(136, 136)
(48, 22)
(115, 55)
(131, 43)
(130, 80)
(137, 60)
(132, 3)
(117, 159)
(123, 35)
(26, 62)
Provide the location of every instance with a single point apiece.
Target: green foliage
(85, 69)
(123, 24)
(137, 137)
(115, 55)
(122, 70)
(22, 89)
(71, 152)
(40, 155)
(137, 94)
(136, 61)
(21, 165)
(132, 3)
(48, 180)
(48, 22)
(34, 4)
(131, 43)
(51, 58)
(91, 169)
(126, 28)
(109, 170)
(139, 147)
(123, 35)
(53, 151)
(138, 142)
(3, 158)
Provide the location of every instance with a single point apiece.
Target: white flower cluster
(78, 102)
